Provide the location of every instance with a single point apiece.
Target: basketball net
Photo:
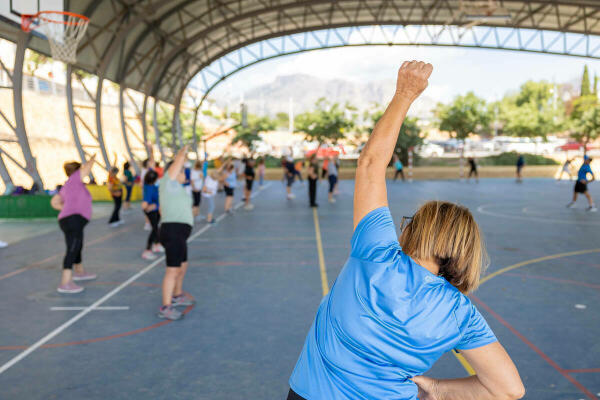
(63, 29)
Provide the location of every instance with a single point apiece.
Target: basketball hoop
(63, 29)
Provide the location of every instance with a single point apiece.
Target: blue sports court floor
(257, 278)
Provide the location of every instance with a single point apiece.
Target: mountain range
(305, 90)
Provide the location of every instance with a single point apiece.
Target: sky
(488, 73)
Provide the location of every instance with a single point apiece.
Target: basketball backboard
(11, 10)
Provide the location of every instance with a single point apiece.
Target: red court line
(548, 278)
(582, 371)
(49, 258)
(553, 364)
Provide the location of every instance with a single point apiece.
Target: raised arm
(370, 190)
(496, 378)
(177, 164)
(86, 168)
(151, 160)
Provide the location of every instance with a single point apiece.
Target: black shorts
(228, 190)
(290, 180)
(580, 187)
(197, 198)
(249, 183)
(173, 236)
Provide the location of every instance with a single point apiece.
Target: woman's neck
(429, 265)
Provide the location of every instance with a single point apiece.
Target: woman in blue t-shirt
(150, 205)
(399, 304)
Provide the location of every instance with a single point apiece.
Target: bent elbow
(516, 392)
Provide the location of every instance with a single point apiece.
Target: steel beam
(99, 134)
(71, 112)
(143, 116)
(30, 163)
(136, 167)
(157, 131)
(4, 175)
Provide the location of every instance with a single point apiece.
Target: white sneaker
(291, 196)
(249, 207)
(332, 201)
(592, 209)
(114, 224)
(121, 222)
(157, 248)
(3, 244)
(571, 205)
(148, 255)
(147, 226)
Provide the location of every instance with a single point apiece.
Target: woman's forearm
(380, 146)
(469, 388)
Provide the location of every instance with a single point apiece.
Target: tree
(282, 120)
(465, 115)
(533, 111)
(588, 127)
(249, 135)
(328, 123)
(585, 82)
(409, 135)
(34, 60)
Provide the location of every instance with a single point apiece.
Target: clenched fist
(412, 79)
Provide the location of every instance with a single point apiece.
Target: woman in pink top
(75, 205)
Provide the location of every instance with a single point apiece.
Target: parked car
(428, 149)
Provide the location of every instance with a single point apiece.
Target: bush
(511, 159)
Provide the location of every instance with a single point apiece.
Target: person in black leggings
(75, 205)
(313, 177)
(115, 187)
(151, 209)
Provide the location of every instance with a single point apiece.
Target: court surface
(257, 280)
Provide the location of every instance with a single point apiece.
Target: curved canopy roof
(156, 46)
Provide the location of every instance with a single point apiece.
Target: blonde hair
(447, 234)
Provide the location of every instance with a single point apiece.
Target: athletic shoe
(157, 248)
(148, 255)
(121, 222)
(230, 211)
(147, 227)
(314, 205)
(571, 205)
(291, 196)
(592, 209)
(183, 300)
(84, 276)
(332, 201)
(213, 221)
(114, 224)
(249, 207)
(3, 244)
(169, 312)
(70, 288)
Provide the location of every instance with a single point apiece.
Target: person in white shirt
(196, 183)
(211, 184)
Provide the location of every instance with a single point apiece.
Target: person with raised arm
(74, 203)
(400, 303)
(176, 227)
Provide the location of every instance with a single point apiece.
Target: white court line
(107, 308)
(103, 299)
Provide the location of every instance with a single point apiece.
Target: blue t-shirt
(398, 165)
(231, 179)
(584, 171)
(386, 319)
(151, 194)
